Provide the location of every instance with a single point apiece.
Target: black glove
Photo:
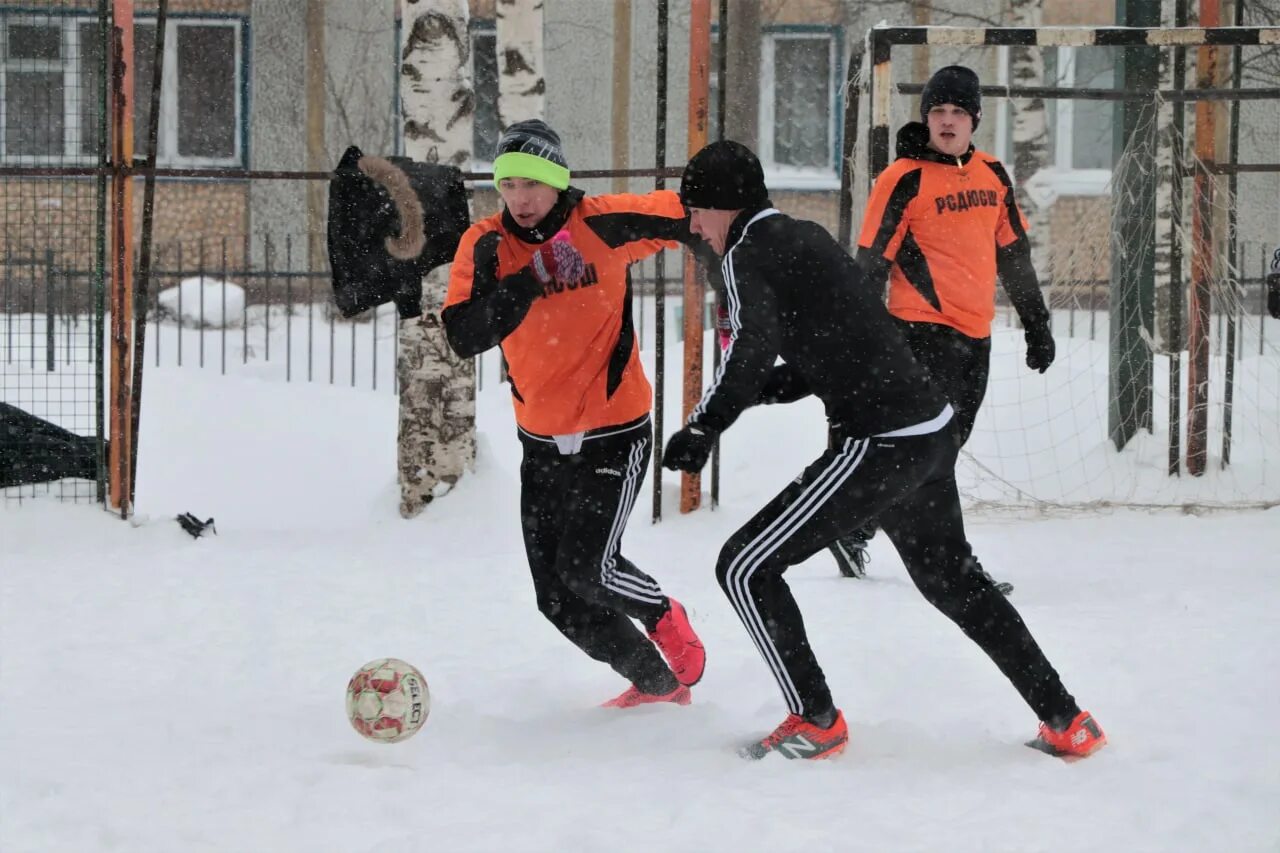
(689, 449)
(1040, 348)
(1273, 295)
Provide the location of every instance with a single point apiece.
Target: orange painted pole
(694, 288)
(120, 458)
(1200, 301)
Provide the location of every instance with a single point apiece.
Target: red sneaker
(633, 696)
(675, 638)
(799, 738)
(1080, 739)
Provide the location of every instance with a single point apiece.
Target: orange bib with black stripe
(939, 224)
(573, 360)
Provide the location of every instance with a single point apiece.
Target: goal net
(1166, 391)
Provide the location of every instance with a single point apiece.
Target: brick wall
(180, 7)
(61, 214)
(821, 207)
(190, 211)
(39, 215)
(1075, 13)
(143, 7)
(778, 12)
(1079, 248)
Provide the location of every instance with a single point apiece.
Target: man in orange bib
(546, 281)
(941, 225)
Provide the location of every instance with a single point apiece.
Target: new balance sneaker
(633, 696)
(675, 638)
(799, 738)
(851, 556)
(1081, 738)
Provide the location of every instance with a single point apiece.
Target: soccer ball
(387, 700)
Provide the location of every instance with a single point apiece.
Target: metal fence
(272, 317)
(271, 314)
(270, 309)
(53, 115)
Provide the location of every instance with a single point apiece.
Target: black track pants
(958, 366)
(909, 484)
(574, 509)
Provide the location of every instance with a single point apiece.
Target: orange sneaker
(1080, 739)
(678, 643)
(799, 738)
(633, 696)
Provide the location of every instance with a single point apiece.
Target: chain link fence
(53, 87)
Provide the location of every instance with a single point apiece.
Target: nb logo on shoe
(798, 746)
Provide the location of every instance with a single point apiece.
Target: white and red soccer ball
(387, 700)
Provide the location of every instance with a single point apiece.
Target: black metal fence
(222, 303)
(255, 302)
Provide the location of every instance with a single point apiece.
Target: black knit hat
(724, 176)
(953, 84)
(531, 149)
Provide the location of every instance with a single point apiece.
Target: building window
(204, 102)
(49, 90)
(38, 89)
(799, 106)
(1080, 130)
(484, 76)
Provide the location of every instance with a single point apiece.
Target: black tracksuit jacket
(793, 292)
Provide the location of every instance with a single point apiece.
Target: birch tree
(1030, 131)
(1168, 136)
(437, 441)
(521, 85)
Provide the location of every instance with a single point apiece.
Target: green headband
(516, 164)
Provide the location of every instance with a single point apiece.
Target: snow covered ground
(159, 693)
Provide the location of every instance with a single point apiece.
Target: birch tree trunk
(1030, 133)
(1167, 136)
(437, 440)
(521, 86)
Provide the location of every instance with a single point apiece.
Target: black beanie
(725, 175)
(531, 149)
(954, 84)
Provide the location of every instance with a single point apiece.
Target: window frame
(482, 28)
(1064, 177)
(781, 176)
(71, 66)
(169, 118)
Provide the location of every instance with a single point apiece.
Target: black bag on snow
(33, 450)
